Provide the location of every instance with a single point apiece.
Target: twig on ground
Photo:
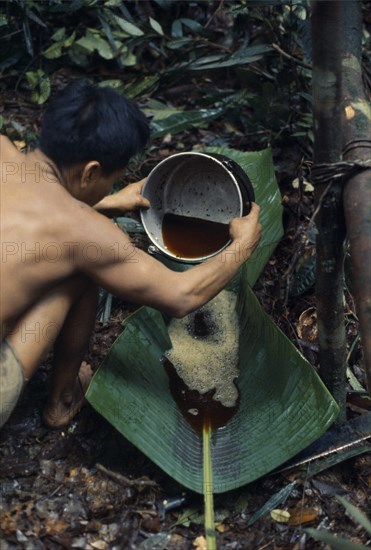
(115, 476)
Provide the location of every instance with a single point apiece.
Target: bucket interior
(191, 185)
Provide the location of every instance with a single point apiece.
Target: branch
(291, 57)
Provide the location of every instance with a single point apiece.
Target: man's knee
(11, 380)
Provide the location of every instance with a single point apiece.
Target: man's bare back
(46, 234)
(35, 219)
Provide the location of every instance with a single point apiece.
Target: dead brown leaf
(307, 325)
(55, 526)
(302, 516)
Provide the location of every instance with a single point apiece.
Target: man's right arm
(137, 277)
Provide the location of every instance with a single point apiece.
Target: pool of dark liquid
(189, 237)
(210, 413)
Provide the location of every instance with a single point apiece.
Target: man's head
(90, 133)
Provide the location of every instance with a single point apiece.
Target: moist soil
(87, 487)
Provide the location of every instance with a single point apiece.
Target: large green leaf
(283, 407)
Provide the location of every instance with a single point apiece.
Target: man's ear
(90, 173)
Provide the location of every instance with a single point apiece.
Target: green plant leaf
(11, 59)
(358, 516)
(93, 41)
(241, 57)
(77, 56)
(73, 6)
(190, 515)
(28, 37)
(156, 26)
(54, 51)
(193, 25)
(35, 18)
(59, 34)
(103, 47)
(178, 122)
(134, 88)
(159, 541)
(39, 84)
(335, 542)
(128, 58)
(108, 32)
(3, 20)
(177, 44)
(284, 406)
(70, 40)
(159, 111)
(304, 278)
(112, 3)
(87, 43)
(177, 29)
(128, 27)
(141, 86)
(242, 502)
(275, 500)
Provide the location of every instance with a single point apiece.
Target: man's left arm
(126, 200)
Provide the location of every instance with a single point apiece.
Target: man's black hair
(87, 122)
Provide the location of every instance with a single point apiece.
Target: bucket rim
(162, 250)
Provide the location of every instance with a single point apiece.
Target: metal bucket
(208, 187)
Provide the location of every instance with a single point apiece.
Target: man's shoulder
(81, 221)
(8, 150)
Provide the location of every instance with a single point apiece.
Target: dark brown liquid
(188, 237)
(210, 412)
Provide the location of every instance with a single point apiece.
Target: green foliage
(39, 85)
(146, 49)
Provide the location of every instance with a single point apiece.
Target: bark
(357, 189)
(330, 245)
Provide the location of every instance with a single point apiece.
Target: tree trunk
(357, 189)
(330, 245)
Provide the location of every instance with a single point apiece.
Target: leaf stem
(208, 489)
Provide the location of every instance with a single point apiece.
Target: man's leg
(68, 385)
(65, 317)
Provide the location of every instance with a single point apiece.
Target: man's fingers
(140, 183)
(255, 209)
(144, 203)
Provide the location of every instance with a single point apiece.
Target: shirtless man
(57, 248)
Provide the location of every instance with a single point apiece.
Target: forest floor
(87, 487)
